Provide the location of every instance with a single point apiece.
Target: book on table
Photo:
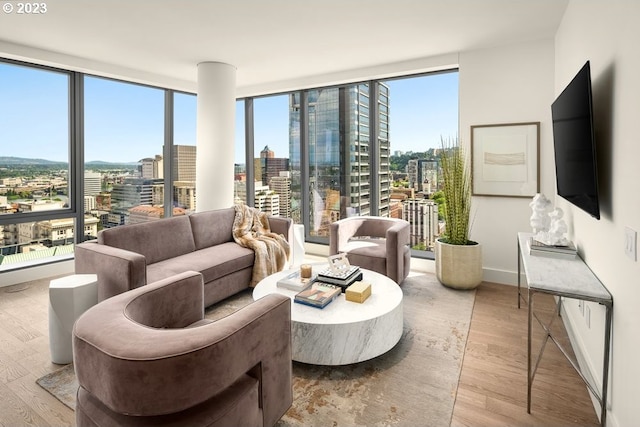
(318, 295)
(295, 282)
(342, 278)
(538, 248)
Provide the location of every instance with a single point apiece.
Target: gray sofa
(131, 256)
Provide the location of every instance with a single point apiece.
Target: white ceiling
(271, 42)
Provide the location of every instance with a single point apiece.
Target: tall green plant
(456, 177)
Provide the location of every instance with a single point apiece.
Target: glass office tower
(343, 162)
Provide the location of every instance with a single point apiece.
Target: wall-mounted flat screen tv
(574, 144)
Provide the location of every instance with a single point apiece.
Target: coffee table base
(343, 344)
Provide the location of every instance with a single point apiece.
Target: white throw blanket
(251, 230)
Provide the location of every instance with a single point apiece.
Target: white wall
(512, 84)
(607, 34)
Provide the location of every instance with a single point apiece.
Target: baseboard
(36, 272)
(590, 371)
(503, 277)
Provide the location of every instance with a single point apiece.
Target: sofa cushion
(211, 228)
(156, 240)
(213, 262)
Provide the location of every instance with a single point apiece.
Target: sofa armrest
(280, 225)
(118, 270)
(397, 236)
(174, 302)
(341, 231)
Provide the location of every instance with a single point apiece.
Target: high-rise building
(184, 163)
(145, 168)
(266, 200)
(92, 183)
(342, 165)
(281, 185)
(184, 176)
(422, 215)
(133, 192)
(269, 166)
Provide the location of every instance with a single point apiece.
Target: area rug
(413, 384)
(62, 384)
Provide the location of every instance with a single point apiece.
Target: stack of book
(343, 278)
(295, 282)
(538, 248)
(318, 294)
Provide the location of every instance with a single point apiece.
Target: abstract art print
(504, 159)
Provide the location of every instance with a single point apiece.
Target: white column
(215, 135)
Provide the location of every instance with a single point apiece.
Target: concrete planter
(459, 266)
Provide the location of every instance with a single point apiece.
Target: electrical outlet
(587, 316)
(630, 237)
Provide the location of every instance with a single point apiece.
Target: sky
(124, 122)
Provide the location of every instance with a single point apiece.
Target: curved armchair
(149, 357)
(374, 243)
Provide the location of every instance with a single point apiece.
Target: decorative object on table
(305, 271)
(504, 159)
(556, 234)
(340, 277)
(358, 292)
(339, 263)
(538, 248)
(540, 207)
(318, 295)
(458, 259)
(295, 281)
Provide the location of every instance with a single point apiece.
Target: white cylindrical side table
(297, 250)
(69, 297)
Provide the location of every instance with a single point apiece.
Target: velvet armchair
(149, 357)
(374, 243)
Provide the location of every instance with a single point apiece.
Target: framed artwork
(505, 159)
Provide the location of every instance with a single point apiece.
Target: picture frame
(505, 159)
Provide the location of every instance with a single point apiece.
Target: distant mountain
(18, 161)
(5, 160)
(101, 163)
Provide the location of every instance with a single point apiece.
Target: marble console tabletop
(343, 332)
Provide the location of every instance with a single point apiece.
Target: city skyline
(124, 121)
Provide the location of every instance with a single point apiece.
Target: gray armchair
(149, 357)
(374, 243)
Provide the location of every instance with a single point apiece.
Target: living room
(509, 82)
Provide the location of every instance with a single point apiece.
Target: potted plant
(458, 259)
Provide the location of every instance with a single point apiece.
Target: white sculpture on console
(558, 228)
(540, 220)
(556, 234)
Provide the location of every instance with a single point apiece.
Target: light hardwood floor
(492, 389)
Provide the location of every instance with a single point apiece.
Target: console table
(570, 278)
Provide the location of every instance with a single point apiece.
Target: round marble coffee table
(343, 332)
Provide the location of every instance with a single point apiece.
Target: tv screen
(574, 144)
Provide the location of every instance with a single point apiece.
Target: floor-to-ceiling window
(123, 151)
(184, 152)
(421, 110)
(315, 155)
(271, 167)
(240, 149)
(36, 205)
